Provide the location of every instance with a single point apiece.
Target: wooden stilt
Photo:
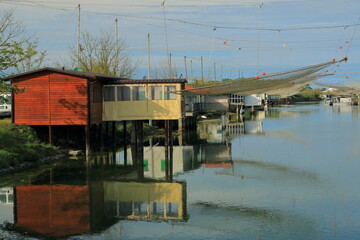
(166, 125)
(113, 132)
(171, 143)
(125, 142)
(133, 143)
(140, 148)
(51, 136)
(101, 136)
(106, 141)
(87, 143)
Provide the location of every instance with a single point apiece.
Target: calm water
(289, 173)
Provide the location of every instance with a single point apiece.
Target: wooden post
(101, 135)
(51, 135)
(166, 123)
(171, 143)
(133, 143)
(106, 133)
(140, 148)
(125, 143)
(113, 134)
(87, 142)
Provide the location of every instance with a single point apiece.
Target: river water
(289, 173)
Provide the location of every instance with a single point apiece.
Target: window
(109, 94)
(172, 210)
(138, 93)
(170, 93)
(155, 93)
(123, 93)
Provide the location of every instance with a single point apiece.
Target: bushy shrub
(8, 158)
(18, 143)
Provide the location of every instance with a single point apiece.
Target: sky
(235, 37)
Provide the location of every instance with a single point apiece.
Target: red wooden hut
(56, 97)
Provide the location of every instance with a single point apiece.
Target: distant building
(5, 105)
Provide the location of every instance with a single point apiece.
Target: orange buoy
(257, 76)
(263, 73)
(333, 59)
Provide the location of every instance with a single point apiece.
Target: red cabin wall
(32, 106)
(51, 99)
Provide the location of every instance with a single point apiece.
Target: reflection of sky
(6, 213)
(298, 181)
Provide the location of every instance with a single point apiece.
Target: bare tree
(103, 54)
(164, 71)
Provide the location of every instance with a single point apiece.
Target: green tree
(18, 52)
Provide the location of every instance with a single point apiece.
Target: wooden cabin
(56, 97)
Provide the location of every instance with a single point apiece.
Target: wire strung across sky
(212, 26)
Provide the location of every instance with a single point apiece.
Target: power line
(198, 23)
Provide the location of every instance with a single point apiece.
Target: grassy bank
(19, 144)
(307, 95)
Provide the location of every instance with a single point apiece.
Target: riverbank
(20, 148)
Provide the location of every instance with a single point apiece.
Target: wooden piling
(51, 134)
(171, 143)
(87, 142)
(125, 143)
(166, 125)
(113, 132)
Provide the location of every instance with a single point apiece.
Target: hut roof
(63, 71)
(107, 79)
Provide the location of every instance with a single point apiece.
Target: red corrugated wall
(51, 99)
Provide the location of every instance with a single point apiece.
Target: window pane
(109, 94)
(172, 210)
(123, 93)
(170, 93)
(138, 93)
(155, 93)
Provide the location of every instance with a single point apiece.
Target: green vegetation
(19, 144)
(307, 94)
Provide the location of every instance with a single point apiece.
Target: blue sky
(244, 37)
